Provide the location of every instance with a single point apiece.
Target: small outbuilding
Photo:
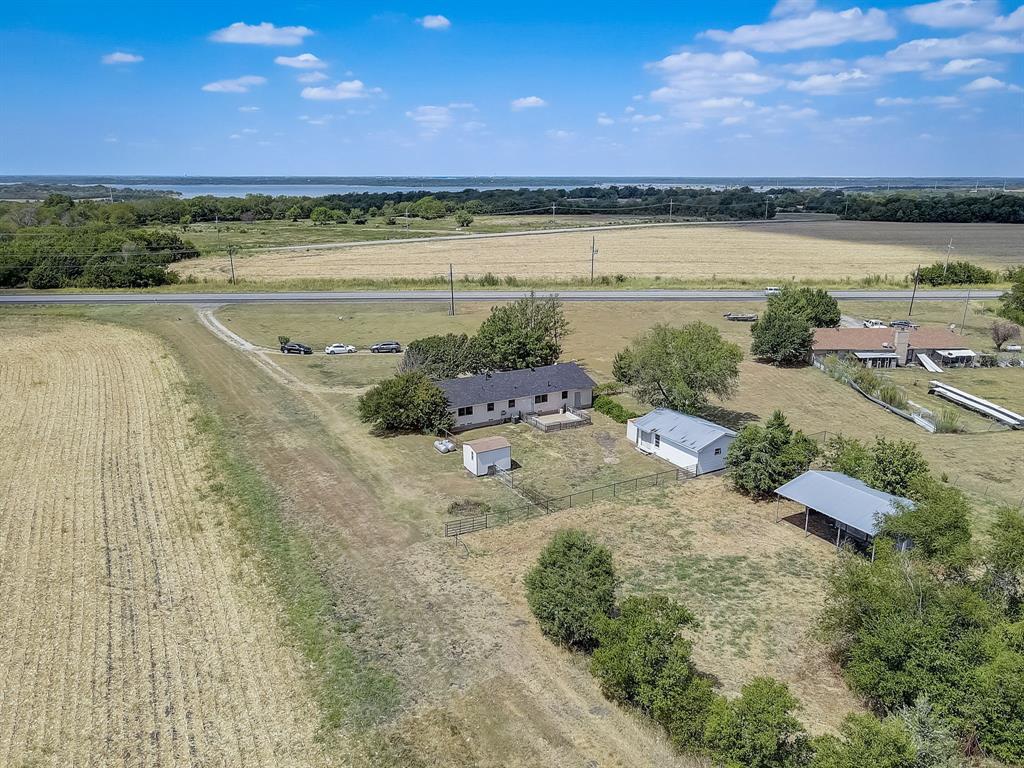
(854, 507)
(480, 456)
(688, 442)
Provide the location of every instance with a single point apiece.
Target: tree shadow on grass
(735, 420)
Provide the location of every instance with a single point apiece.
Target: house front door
(576, 399)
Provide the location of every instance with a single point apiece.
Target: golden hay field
(823, 251)
(132, 631)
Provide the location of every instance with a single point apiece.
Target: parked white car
(339, 349)
(772, 290)
(1012, 348)
(874, 324)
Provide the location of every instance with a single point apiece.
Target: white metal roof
(680, 429)
(875, 355)
(842, 498)
(956, 352)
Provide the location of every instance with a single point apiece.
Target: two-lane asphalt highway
(30, 297)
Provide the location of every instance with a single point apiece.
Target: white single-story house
(890, 347)
(478, 456)
(686, 441)
(497, 397)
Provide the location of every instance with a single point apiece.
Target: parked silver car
(339, 349)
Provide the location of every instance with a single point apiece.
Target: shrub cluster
(613, 409)
(956, 273)
(761, 459)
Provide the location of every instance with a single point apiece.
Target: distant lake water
(311, 190)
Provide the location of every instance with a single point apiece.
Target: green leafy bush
(408, 402)
(782, 336)
(762, 458)
(571, 588)
(863, 741)
(892, 395)
(613, 409)
(956, 273)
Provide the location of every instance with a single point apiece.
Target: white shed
(686, 441)
(478, 456)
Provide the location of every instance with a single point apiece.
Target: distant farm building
(481, 456)
(890, 347)
(500, 396)
(854, 508)
(686, 441)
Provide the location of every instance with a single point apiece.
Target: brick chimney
(902, 345)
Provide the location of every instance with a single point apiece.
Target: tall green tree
(525, 333)
(408, 402)
(896, 467)
(938, 526)
(571, 589)
(759, 729)
(814, 305)
(445, 357)
(680, 368)
(1012, 302)
(782, 336)
(865, 741)
(762, 458)
(321, 215)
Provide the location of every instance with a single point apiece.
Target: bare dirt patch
(133, 631)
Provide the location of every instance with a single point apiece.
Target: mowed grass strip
(134, 632)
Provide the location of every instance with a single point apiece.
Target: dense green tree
(814, 305)
(758, 729)
(782, 337)
(321, 215)
(955, 273)
(1004, 560)
(1012, 302)
(937, 525)
(998, 707)
(572, 588)
(847, 455)
(682, 700)
(896, 467)
(428, 207)
(445, 357)
(408, 402)
(634, 647)
(679, 368)
(463, 218)
(525, 333)
(294, 213)
(762, 458)
(865, 741)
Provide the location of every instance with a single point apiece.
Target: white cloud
(815, 67)
(120, 57)
(249, 130)
(696, 75)
(235, 136)
(528, 102)
(248, 109)
(733, 120)
(727, 102)
(111, 140)
(638, 118)
(883, 65)
(559, 134)
(261, 34)
(826, 85)
(968, 45)
(603, 119)
(893, 101)
(1011, 23)
(311, 77)
(302, 61)
(431, 118)
(817, 29)
(436, 21)
(785, 8)
(987, 84)
(854, 121)
(319, 120)
(954, 13)
(970, 67)
(237, 85)
(347, 89)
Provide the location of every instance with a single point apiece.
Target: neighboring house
(499, 396)
(855, 508)
(478, 456)
(890, 347)
(686, 441)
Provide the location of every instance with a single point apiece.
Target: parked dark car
(295, 348)
(905, 325)
(386, 346)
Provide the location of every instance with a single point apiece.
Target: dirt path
(480, 685)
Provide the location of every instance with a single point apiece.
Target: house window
(565, 394)
(467, 411)
(718, 451)
(511, 403)
(540, 398)
(490, 407)
(657, 441)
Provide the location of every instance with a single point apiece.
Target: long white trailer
(975, 403)
(929, 365)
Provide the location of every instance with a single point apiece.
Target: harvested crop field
(133, 631)
(817, 250)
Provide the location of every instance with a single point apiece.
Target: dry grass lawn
(821, 251)
(755, 585)
(132, 632)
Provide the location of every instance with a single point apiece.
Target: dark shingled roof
(505, 385)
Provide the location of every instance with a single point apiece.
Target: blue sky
(686, 88)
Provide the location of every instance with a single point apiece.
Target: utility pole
(766, 209)
(451, 285)
(593, 255)
(670, 210)
(966, 304)
(552, 212)
(231, 258)
(917, 277)
(949, 250)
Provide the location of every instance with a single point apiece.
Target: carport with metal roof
(854, 507)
